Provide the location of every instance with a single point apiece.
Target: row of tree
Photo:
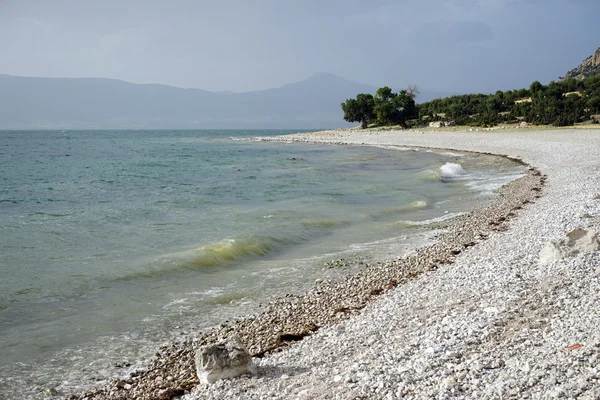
(558, 103)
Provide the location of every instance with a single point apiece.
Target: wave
(429, 175)
(47, 214)
(432, 221)
(487, 184)
(414, 206)
(446, 173)
(451, 171)
(324, 223)
(225, 252)
(217, 254)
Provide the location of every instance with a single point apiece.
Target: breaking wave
(413, 206)
(432, 221)
(451, 171)
(225, 251)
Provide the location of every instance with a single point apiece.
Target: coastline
(332, 308)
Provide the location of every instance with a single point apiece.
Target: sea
(113, 243)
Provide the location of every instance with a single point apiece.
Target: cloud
(245, 45)
(468, 32)
(448, 34)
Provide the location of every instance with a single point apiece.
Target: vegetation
(360, 109)
(385, 108)
(558, 103)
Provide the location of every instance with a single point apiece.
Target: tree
(405, 106)
(593, 104)
(359, 109)
(558, 103)
(413, 91)
(384, 94)
(536, 87)
(395, 108)
(384, 108)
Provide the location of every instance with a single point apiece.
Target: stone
(449, 382)
(228, 359)
(575, 242)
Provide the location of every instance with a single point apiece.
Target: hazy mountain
(96, 103)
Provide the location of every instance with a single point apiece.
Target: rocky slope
(589, 67)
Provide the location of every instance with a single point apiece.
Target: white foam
(451, 170)
(213, 292)
(451, 154)
(429, 221)
(487, 184)
(176, 302)
(399, 148)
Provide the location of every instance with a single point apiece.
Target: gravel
(473, 316)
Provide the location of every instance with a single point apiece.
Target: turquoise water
(112, 242)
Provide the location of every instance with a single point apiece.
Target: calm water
(114, 242)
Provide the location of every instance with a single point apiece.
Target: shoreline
(497, 323)
(172, 372)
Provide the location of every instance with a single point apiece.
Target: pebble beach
(476, 315)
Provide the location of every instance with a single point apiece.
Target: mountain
(589, 67)
(98, 103)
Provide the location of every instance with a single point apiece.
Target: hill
(589, 67)
(98, 103)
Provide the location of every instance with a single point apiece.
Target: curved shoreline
(496, 324)
(330, 302)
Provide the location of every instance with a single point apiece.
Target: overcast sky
(242, 45)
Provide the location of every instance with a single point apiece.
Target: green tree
(593, 104)
(359, 109)
(536, 87)
(384, 107)
(405, 106)
(384, 94)
(395, 108)
(539, 104)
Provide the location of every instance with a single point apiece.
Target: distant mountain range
(98, 103)
(589, 67)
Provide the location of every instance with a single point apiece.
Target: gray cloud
(449, 45)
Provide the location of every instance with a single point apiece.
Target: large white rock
(575, 242)
(223, 360)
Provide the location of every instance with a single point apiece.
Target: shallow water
(112, 242)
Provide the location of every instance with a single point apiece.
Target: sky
(457, 46)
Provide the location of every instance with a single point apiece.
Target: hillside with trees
(573, 99)
(560, 103)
